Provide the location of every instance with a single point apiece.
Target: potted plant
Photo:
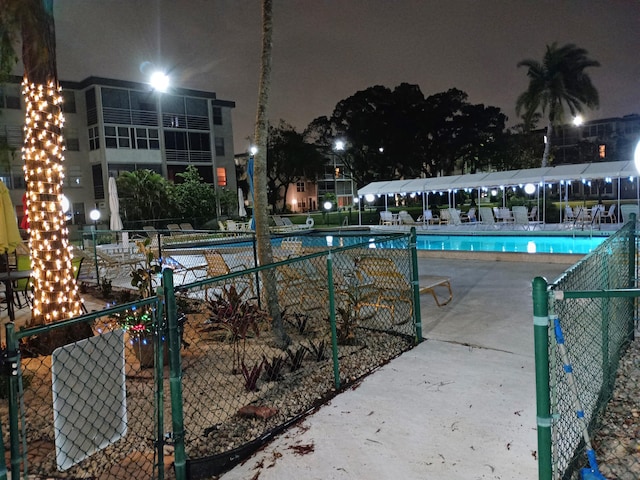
(139, 322)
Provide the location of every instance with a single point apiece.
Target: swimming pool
(553, 244)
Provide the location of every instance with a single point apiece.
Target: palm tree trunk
(547, 145)
(56, 294)
(263, 239)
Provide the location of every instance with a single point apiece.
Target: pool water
(516, 244)
(481, 243)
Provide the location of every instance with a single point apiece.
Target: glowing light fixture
(370, 197)
(159, 81)
(529, 188)
(636, 157)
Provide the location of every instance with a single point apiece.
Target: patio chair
(445, 218)
(469, 216)
(610, 215)
(406, 219)
(533, 214)
(186, 226)
(428, 218)
(382, 285)
(386, 217)
(569, 215)
(429, 283)
(116, 266)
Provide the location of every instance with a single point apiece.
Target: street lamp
(159, 81)
(95, 216)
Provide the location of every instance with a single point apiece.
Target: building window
(300, 187)
(71, 140)
(602, 151)
(117, 137)
(10, 97)
(94, 138)
(219, 142)
(69, 101)
(147, 139)
(222, 176)
(217, 115)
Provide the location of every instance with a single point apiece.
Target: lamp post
(338, 146)
(95, 216)
(327, 208)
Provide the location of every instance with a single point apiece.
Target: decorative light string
(56, 294)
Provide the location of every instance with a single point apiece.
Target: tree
(193, 196)
(56, 294)
(263, 238)
(290, 159)
(558, 83)
(144, 194)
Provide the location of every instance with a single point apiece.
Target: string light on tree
(55, 291)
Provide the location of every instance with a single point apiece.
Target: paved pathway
(460, 406)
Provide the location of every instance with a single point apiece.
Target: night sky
(326, 50)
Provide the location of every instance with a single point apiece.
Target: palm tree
(263, 239)
(558, 83)
(56, 294)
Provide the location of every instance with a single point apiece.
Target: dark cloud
(326, 50)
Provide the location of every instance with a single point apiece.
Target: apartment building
(113, 126)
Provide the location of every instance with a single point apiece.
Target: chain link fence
(201, 375)
(594, 306)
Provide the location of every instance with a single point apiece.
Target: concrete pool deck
(459, 406)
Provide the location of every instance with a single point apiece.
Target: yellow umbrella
(9, 233)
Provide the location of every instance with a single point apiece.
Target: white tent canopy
(537, 176)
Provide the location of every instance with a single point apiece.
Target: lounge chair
(445, 217)
(289, 247)
(454, 216)
(429, 283)
(486, 215)
(533, 214)
(626, 209)
(521, 218)
(382, 285)
(186, 227)
(610, 215)
(217, 266)
(174, 228)
(386, 218)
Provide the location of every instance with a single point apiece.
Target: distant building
(113, 126)
(601, 140)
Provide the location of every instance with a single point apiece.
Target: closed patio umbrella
(115, 222)
(9, 233)
(242, 212)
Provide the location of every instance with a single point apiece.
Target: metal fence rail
(594, 303)
(217, 381)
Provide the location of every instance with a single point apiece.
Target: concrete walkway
(459, 406)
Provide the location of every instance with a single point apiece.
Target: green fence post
(14, 410)
(175, 376)
(543, 403)
(158, 349)
(632, 272)
(95, 254)
(415, 281)
(332, 320)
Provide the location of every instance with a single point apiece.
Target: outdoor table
(8, 278)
